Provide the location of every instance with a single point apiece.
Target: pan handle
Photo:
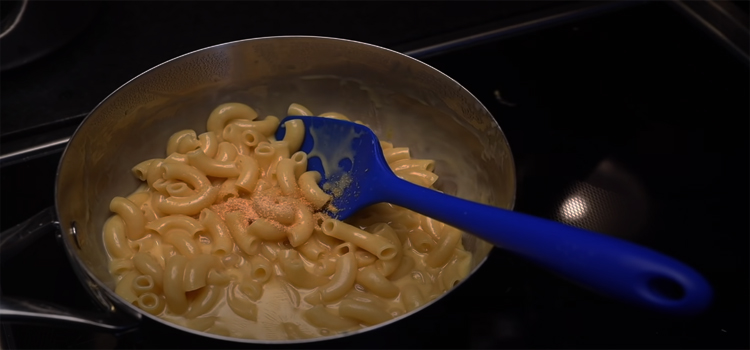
(16, 238)
(25, 311)
(33, 312)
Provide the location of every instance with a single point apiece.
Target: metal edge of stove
(724, 20)
(7, 340)
(533, 22)
(73, 120)
(539, 20)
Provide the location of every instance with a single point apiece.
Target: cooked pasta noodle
(228, 235)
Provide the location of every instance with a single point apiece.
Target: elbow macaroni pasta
(227, 235)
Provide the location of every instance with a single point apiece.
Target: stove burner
(33, 29)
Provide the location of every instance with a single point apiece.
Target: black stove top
(633, 123)
(126, 38)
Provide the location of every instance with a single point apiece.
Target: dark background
(126, 38)
(636, 110)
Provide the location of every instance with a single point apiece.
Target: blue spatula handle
(604, 264)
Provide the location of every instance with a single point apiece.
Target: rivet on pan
(74, 233)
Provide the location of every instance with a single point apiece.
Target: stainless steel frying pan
(405, 101)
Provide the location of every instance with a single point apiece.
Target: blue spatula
(339, 149)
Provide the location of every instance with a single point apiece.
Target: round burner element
(31, 29)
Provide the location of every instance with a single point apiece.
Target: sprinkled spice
(241, 205)
(269, 203)
(338, 186)
(332, 208)
(318, 219)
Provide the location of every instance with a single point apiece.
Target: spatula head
(349, 159)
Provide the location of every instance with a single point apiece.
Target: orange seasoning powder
(267, 199)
